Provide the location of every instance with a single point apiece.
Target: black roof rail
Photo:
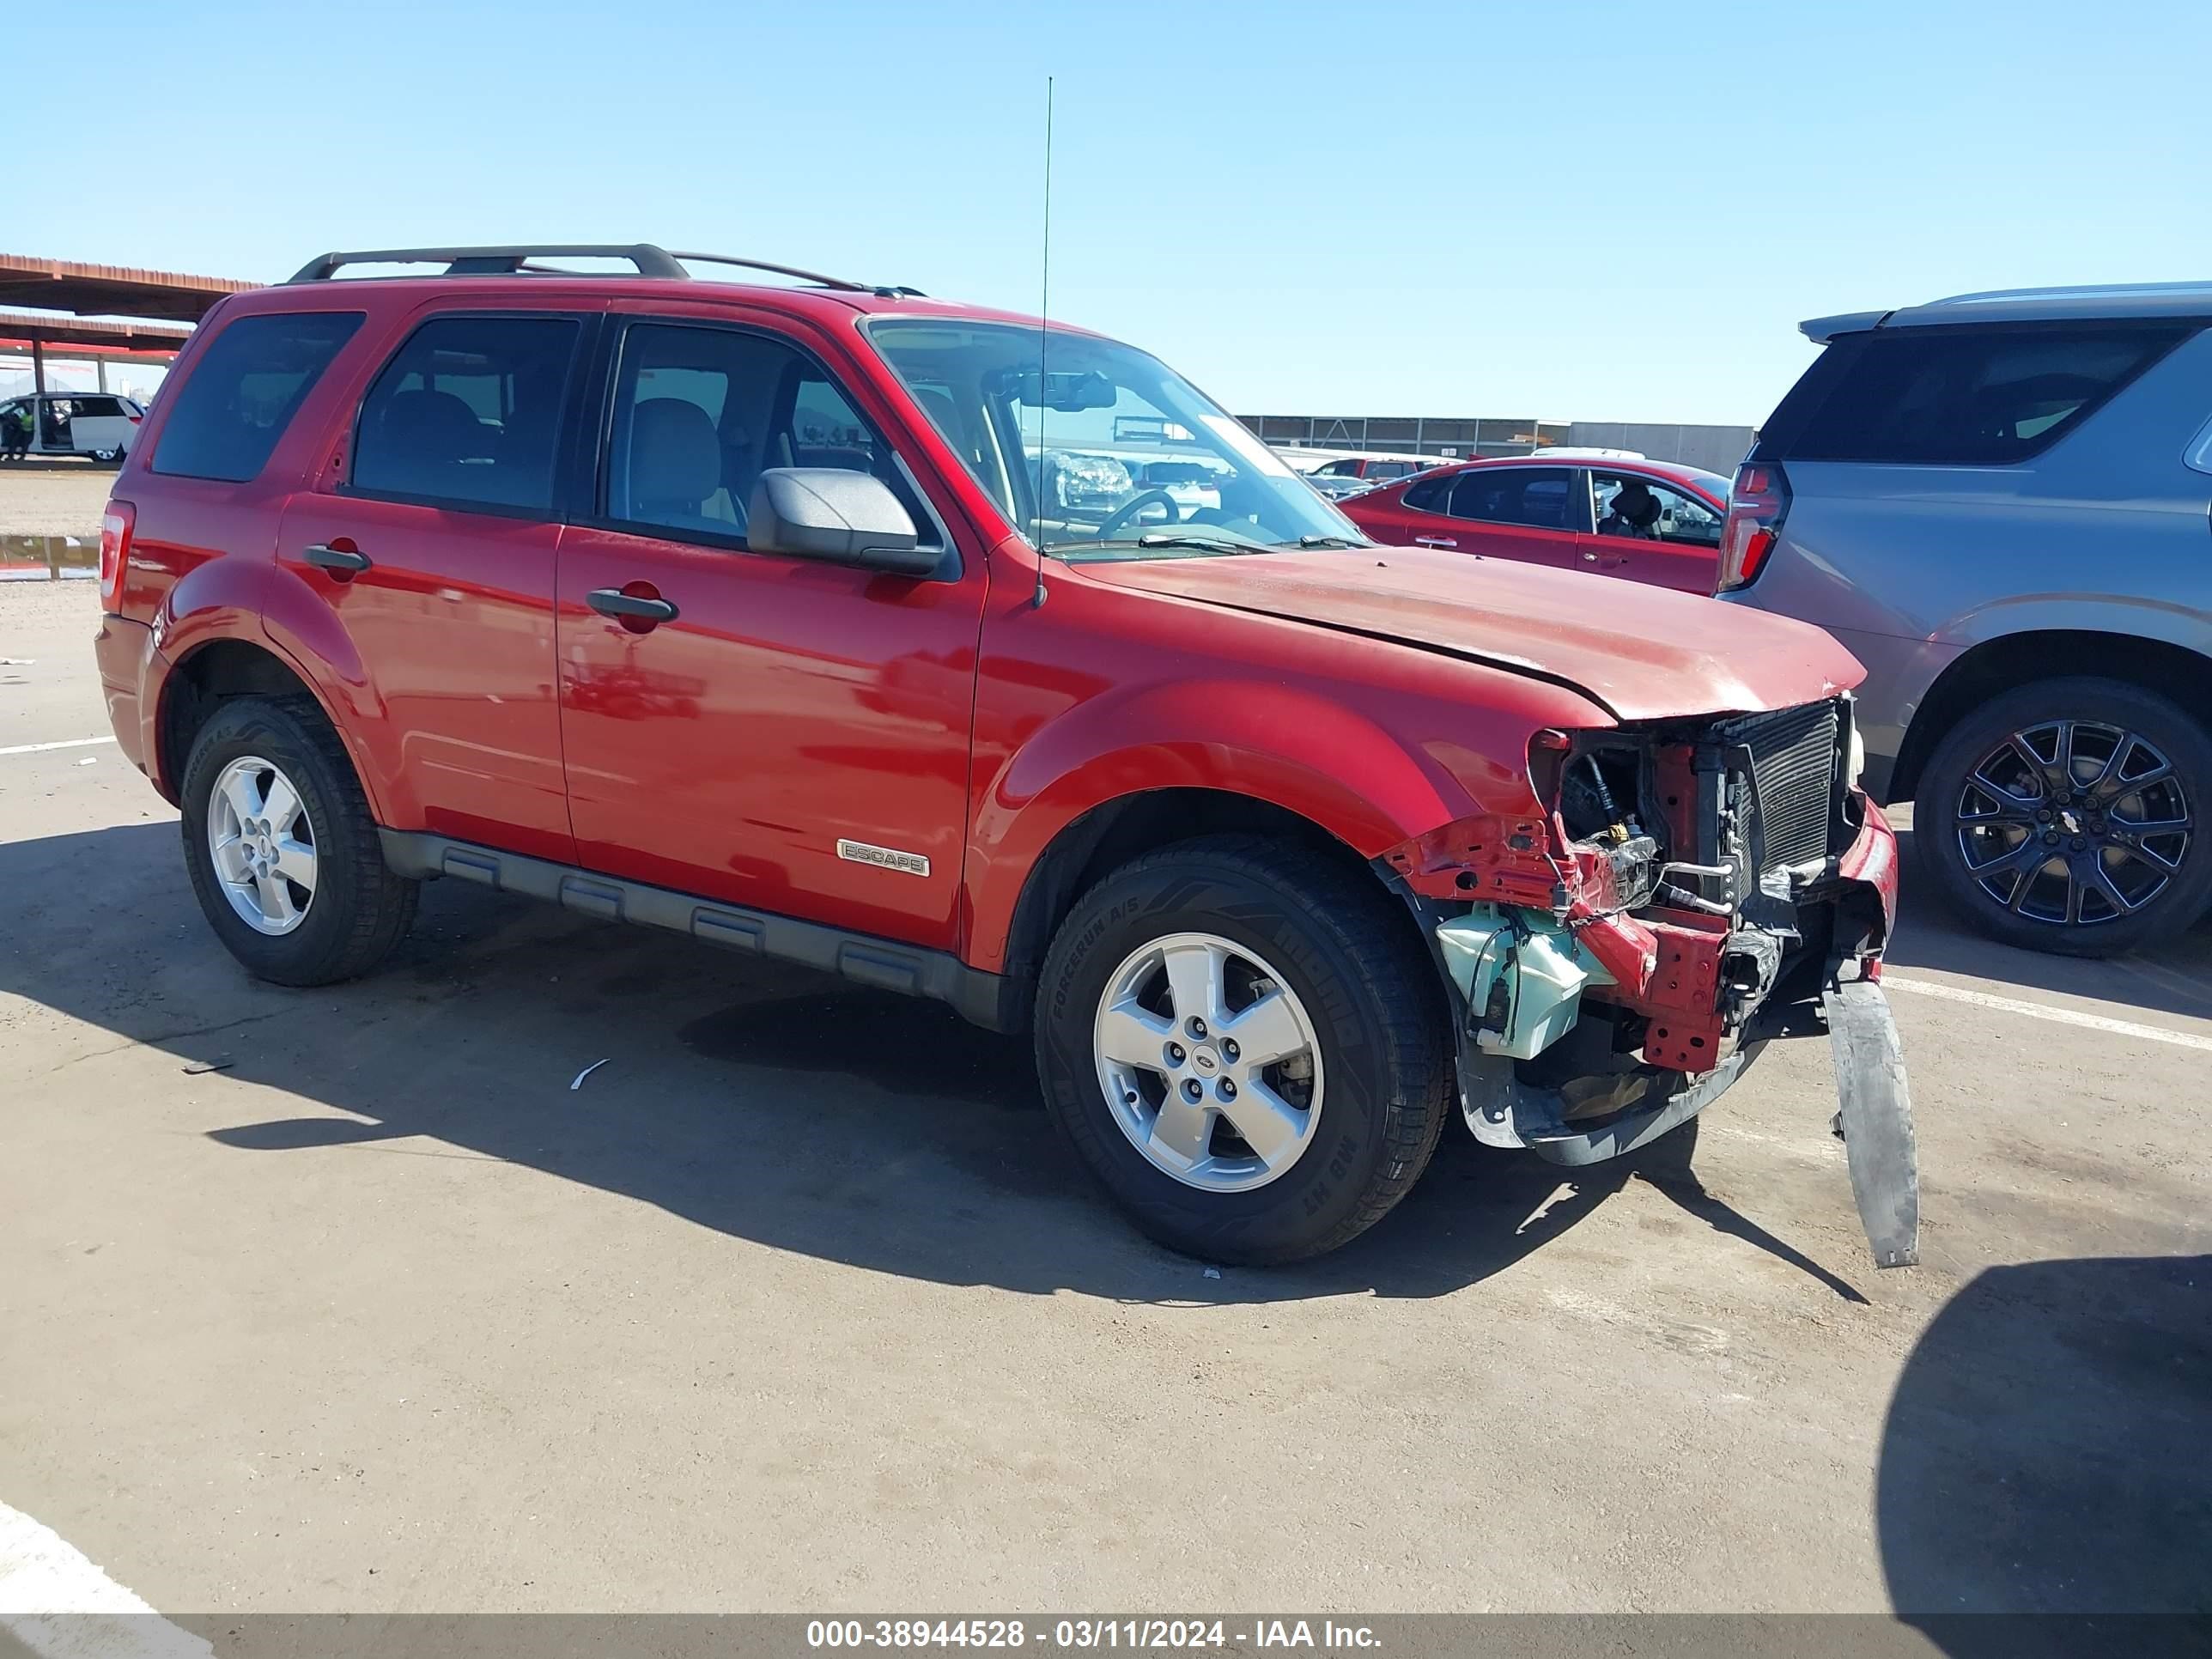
(650, 261)
(884, 290)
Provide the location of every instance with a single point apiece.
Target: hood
(1641, 653)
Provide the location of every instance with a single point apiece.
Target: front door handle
(1435, 541)
(352, 560)
(613, 602)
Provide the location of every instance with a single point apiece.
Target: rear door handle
(1435, 541)
(350, 560)
(613, 602)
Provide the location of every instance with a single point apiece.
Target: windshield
(1107, 453)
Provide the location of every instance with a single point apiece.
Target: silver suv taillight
(1757, 506)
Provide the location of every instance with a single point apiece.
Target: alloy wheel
(1209, 1062)
(263, 844)
(2073, 823)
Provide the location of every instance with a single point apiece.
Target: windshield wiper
(1326, 541)
(1159, 540)
(1201, 544)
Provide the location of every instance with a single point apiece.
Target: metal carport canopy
(110, 290)
(19, 329)
(68, 286)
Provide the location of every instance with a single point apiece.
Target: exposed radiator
(1795, 771)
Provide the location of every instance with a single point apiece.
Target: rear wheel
(284, 855)
(1245, 1042)
(2066, 816)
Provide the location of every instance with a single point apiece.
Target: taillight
(114, 552)
(1757, 506)
(134, 419)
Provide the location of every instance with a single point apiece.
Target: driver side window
(700, 413)
(1682, 519)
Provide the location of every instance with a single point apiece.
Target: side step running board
(990, 1000)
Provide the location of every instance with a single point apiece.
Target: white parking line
(2045, 1010)
(55, 1602)
(65, 742)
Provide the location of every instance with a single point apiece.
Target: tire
(357, 909)
(1359, 981)
(2154, 884)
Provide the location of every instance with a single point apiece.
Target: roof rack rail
(2070, 291)
(650, 261)
(815, 277)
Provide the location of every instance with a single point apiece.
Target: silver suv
(2002, 503)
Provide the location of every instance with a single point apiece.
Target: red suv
(745, 612)
(1645, 521)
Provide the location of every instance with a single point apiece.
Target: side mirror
(835, 515)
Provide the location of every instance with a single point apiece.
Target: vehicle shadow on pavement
(761, 1101)
(2174, 979)
(2045, 1452)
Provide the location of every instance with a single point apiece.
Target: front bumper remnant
(1595, 1011)
(1519, 979)
(1874, 1118)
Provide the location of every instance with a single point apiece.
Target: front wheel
(1246, 1043)
(2065, 816)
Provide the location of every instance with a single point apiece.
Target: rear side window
(1965, 398)
(1432, 495)
(242, 393)
(99, 406)
(1538, 496)
(468, 411)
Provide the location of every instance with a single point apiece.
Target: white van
(96, 424)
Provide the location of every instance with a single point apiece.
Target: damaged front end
(1690, 890)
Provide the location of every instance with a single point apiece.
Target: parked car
(1372, 469)
(1999, 503)
(93, 424)
(1645, 521)
(732, 609)
(1335, 486)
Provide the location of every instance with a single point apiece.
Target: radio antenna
(1044, 316)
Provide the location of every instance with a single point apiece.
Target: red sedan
(1645, 521)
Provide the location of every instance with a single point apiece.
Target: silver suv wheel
(263, 845)
(2074, 823)
(1208, 1061)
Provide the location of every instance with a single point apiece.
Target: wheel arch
(1169, 759)
(2001, 665)
(1100, 840)
(221, 667)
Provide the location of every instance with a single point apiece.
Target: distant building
(1715, 448)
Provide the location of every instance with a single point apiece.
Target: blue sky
(1593, 211)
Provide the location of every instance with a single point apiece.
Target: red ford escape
(1643, 522)
(846, 626)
